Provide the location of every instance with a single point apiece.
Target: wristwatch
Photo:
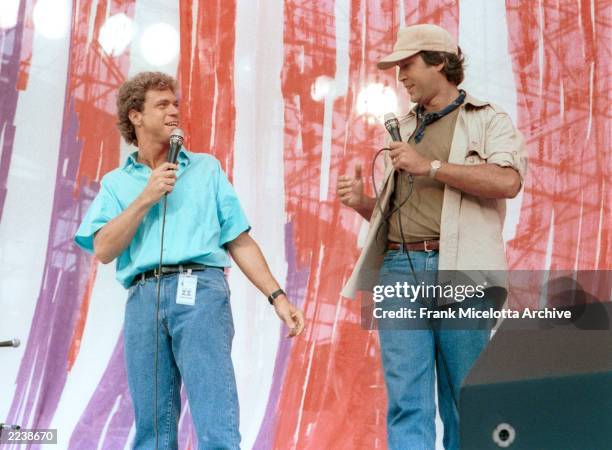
(433, 168)
(275, 294)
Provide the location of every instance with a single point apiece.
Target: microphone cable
(385, 218)
(157, 324)
(176, 142)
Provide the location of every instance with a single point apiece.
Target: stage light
(8, 13)
(51, 18)
(322, 87)
(160, 44)
(375, 100)
(116, 34)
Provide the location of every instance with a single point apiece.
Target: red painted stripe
(93, 81)
(336, 364)
(568, 184)
(206, 73)
(26, 46)
(79, 326)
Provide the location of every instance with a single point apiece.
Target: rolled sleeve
(231, 217)
(102, 210)
(504, 145)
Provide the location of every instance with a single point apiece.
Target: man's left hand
(405, 157)
(290, 315)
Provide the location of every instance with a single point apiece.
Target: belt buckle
(427, 249)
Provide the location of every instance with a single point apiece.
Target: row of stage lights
(159, 45)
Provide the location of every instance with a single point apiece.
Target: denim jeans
(195, 347)
(409, 357)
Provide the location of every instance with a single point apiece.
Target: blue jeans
(194, 345)
(409, 357)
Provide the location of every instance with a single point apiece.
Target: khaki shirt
(420, 212)
(470, 227)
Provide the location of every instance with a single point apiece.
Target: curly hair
(132, 96)
(453, 64)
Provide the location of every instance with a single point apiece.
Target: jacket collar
(470, 102)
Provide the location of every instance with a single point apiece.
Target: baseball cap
(416, 38)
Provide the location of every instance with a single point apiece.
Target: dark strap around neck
(429, 118)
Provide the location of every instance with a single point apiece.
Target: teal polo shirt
(203, 214)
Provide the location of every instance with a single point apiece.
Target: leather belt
(165, 270)
(423, 246)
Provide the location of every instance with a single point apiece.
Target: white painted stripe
(260, 184)
(489, 75)
(24, 227)
(107, 423)
(326, 148)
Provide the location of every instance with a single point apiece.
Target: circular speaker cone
(504, 435)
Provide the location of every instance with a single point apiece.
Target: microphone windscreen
(392, 126)
(177, 133)
(389, 116)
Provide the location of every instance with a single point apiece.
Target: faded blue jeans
(194, 346)
(409, 357)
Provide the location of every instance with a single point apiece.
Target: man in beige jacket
(441, 208)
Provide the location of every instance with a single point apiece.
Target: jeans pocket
(431, 263)
(227, 288)
(213, 279)
(131, 291)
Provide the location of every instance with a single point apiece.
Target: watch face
(436, 164)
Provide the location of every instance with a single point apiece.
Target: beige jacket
(470, 227)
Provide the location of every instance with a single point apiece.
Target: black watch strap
(275, 294)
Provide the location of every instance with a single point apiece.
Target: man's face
(159, 116)
(420, 80)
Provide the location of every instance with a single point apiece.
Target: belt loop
(180, 268)
(142, 278)
(427, 249)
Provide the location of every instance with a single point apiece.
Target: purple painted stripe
(186, 430)
(44, 366)
(10, 45)
(296, 289)
(112, 390)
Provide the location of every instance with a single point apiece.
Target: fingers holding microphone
(161, 182)
(405, 157)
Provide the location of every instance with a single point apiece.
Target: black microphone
(392, 126)
(176, 142)
(11, 343)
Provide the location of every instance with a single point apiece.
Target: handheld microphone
(11, 343)
(176, 142)
(392, 126)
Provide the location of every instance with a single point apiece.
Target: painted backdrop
(286, 95)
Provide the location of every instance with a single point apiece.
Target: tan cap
(413, 39)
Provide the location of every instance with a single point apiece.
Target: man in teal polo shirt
(189, 338)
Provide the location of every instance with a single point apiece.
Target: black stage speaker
(542, 384)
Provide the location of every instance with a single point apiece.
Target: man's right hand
(350, 193)
(350, 189)
(116, 235)
(161, 181)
